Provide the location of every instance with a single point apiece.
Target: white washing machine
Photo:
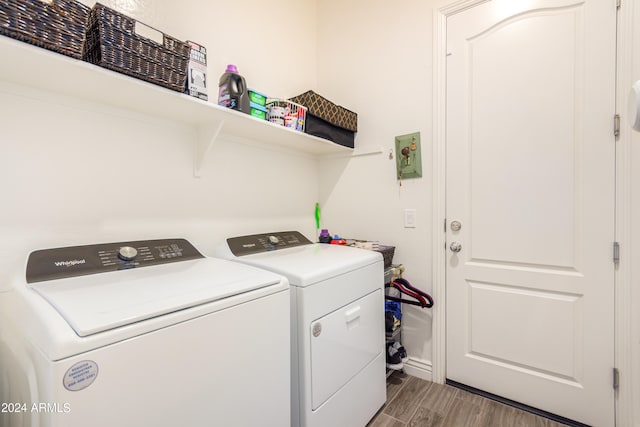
(146, 333)
(337, 325)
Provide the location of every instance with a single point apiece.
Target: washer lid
(312, 263)
(96, 303)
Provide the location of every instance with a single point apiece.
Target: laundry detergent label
(80, 375)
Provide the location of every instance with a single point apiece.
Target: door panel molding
(492, 339)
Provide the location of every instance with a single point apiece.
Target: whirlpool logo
(70, 263)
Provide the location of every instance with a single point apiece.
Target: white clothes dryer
(337, 325)
(146, 333)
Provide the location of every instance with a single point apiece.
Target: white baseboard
(419, 368)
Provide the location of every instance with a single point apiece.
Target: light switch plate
(409, 218)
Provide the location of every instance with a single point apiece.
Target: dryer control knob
(274, 240)
(127, 253)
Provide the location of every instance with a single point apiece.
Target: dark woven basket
(112, 43)
(59, 26)
(387, 254)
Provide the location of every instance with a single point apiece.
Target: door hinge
(616, 378)
(445, 225)
(616, 125)
(618, 4)
(616, 253)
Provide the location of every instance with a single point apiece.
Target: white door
(530, 178)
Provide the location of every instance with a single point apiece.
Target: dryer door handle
(352, 314)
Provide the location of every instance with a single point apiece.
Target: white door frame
(439, 356)
(623, 300)
(625, 332)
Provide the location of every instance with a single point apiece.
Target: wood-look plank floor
(413, 402)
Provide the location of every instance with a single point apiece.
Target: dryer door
(343, 342)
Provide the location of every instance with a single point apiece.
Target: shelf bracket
(207, 135)
(353, 153)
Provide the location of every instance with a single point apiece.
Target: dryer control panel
(256, 243)
(59, 263)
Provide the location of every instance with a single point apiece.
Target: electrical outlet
(409, 218)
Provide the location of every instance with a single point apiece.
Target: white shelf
(41, 69)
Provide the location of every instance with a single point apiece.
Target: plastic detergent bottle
(324, 237)
(232, 90)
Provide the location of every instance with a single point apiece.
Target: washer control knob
(274, 240)
(127, 253)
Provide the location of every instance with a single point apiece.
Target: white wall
(74, 172)
(631, 243)
(634, 258)
(628, 227)
(627, 231)
(272, 43)
(375, 58)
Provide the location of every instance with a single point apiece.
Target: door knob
(455, 247)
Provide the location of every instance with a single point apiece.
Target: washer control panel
(59, 263)
(256, 243)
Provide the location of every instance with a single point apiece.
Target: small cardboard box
(197, 71)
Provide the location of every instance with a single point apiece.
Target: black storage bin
(112, 42)
(323, 129)
(59, 25)
(328, 120)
